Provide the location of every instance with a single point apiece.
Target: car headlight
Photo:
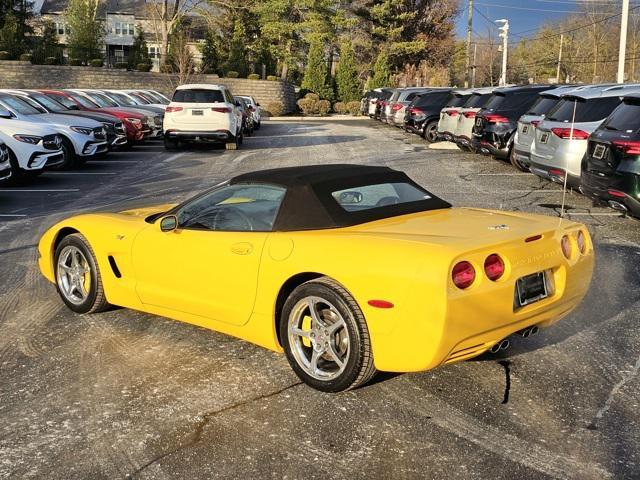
(83, 130)
(32, 139)
(135, 122)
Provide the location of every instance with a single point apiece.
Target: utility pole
(504, 34)
(559, 58)
(473, 68)
(469, 30)
(623, 40)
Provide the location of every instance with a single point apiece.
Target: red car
(135, 124)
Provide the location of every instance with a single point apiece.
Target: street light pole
(468, 54)
(623, 40)
(504, 34)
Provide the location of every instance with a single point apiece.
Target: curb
(331, 118)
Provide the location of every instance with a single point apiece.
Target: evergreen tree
(9, 38)
(348, 84)
(139, 52)
(315, 74)
(237, 60)
(85, 39)
(210, 57)
(381, 72)
(48, 45)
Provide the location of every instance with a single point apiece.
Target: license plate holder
(599, 151)
(197, 112)
(525, 128)
(544, 138)
(478, 121)
(531, 289)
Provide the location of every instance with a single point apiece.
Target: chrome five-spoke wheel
(325, 336)
(319, 338)
(74, 274)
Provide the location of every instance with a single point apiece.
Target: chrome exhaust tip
(504, 344)
(620, 207)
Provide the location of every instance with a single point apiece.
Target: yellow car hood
(146, 211)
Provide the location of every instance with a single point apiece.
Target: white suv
(30, 146)
(202, 112)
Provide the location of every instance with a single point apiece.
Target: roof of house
(126, 7)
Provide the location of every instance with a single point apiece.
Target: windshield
(590, 110)
(122, 99)
(142, 98)
(48, 103)
(477, 100)
(542, 105)
(18, 105)
(84, 101)
(625, 118)
(198, 95)
(456, 100)
(62, 100)
(101, 100)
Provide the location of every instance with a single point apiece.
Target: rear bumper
(216, 135)
(522, 156)
(552, 173)
(598, 189)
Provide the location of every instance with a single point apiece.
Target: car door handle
(242, 248)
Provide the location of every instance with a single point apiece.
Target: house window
(131, 29)
(62, 29)
(154, 52)
(118, 28)
(123, 28)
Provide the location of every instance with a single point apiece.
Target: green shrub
(96, 62)
(51, 61)
(75, 62)
(272, 78)
(340, 107)
(232, 74)
(353, 108)
(323, 107)
(275, 109)
(144, 67)
(253, 76)
(26, 57)
(121, 65)
(166, 68)
(312, 96)
(307, 105)
(4, 55)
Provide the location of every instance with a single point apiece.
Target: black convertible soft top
(309, 205)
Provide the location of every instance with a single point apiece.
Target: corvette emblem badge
(499, 227)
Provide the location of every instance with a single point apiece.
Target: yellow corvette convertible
(349, 269)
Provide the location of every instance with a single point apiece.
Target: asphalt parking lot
(129, 395)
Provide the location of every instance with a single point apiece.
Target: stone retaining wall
(16, 74)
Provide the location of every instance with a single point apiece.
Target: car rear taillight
(415, 110)
(463, 274)
(452, 113)
(173, 109)
(495, 118)
(629, 147)
(469, 114)
(581, 240)
(396, 106)
(565, 243)
(494, 267)
(567, 133)
(556, 172)
(535, 123)
(615, 193)
(221, 109)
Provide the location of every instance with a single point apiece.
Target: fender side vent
(114, 267)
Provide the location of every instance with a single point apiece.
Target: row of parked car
(587, 136)
(62, 129)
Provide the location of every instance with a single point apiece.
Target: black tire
(258, 125)
(96, 300)
(171, 144)
(359, 368)
(515, 162)
(69, 154)
(430, 132)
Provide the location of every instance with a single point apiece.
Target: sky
(523, 15)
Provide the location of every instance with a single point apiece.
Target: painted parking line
(502, 174)
(81, 173)
(595, 214)
(106, 162)
(45, 190)
(11, 215)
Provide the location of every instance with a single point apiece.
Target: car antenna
(566, 163)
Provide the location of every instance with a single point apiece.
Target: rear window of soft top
(198, 95)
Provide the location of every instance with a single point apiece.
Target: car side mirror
(349, 198)
(257, 104)
(73, 107)
(5, 114)
(236, 103)
(169, 223)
